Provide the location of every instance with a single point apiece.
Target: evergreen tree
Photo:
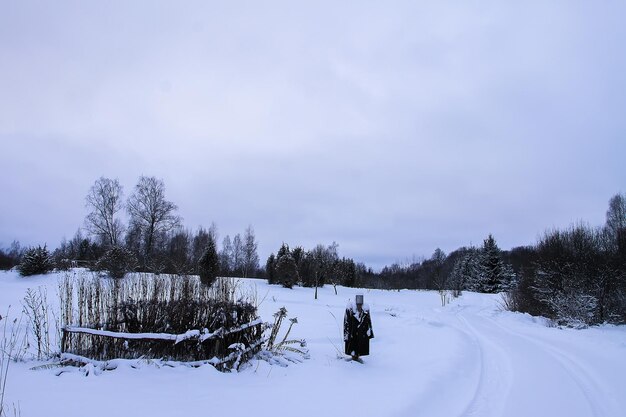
(491, 265)
(496, 276)
(271, 266)
(270, 269)
(343, 273)
(298, 255)
(117, 261)
(36, 261)
(199, 244)
(284, 250)
(348, 268)
(509, 277)
(457, 279)
(286, 271)
(467, 272)
(208, 266)
(179, 253)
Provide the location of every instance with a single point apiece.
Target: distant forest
(575, 276)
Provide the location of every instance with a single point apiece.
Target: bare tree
(616, 220)
(226, 256)
(440, 279)
(150, 212)
(105, 201)
(250, 256)
(237, 254)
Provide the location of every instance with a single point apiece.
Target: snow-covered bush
(36, 261)
(573, 309)
(576, 279)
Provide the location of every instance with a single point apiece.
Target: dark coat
(357, 332)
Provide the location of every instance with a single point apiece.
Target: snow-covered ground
(466, 359)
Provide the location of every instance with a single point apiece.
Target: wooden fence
(223, 348)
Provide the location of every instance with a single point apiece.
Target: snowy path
(463, 360)
(514, 374)
(515, 388)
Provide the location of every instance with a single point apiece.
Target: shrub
(36, 261)
(117, 261)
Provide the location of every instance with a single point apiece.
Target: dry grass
(145, 303)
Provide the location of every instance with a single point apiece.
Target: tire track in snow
(489, 388)
(587, 383)
(472, 405)
(539, 374)
(460, 382)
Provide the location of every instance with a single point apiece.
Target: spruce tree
(208, 266)
(270, 269)
(467, 272)
(491, 265)
(284, 250)
(117, 261)
(497, 276)
(287, 271)
(36, 261)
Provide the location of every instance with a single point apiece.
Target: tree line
(152, 240)
(310, 268)
(576, 276)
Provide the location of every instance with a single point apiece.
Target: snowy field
(466, 359)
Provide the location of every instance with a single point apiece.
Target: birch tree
(150, 212)
(250, 260)
(105, 202)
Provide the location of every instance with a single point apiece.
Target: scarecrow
(357, 329)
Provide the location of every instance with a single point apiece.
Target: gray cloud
(392, 129)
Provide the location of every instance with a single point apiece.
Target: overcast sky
(391, 128)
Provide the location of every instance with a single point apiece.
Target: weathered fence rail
(221, 348)
(202, 335)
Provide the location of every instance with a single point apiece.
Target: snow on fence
(190, 334)
(222, 348)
